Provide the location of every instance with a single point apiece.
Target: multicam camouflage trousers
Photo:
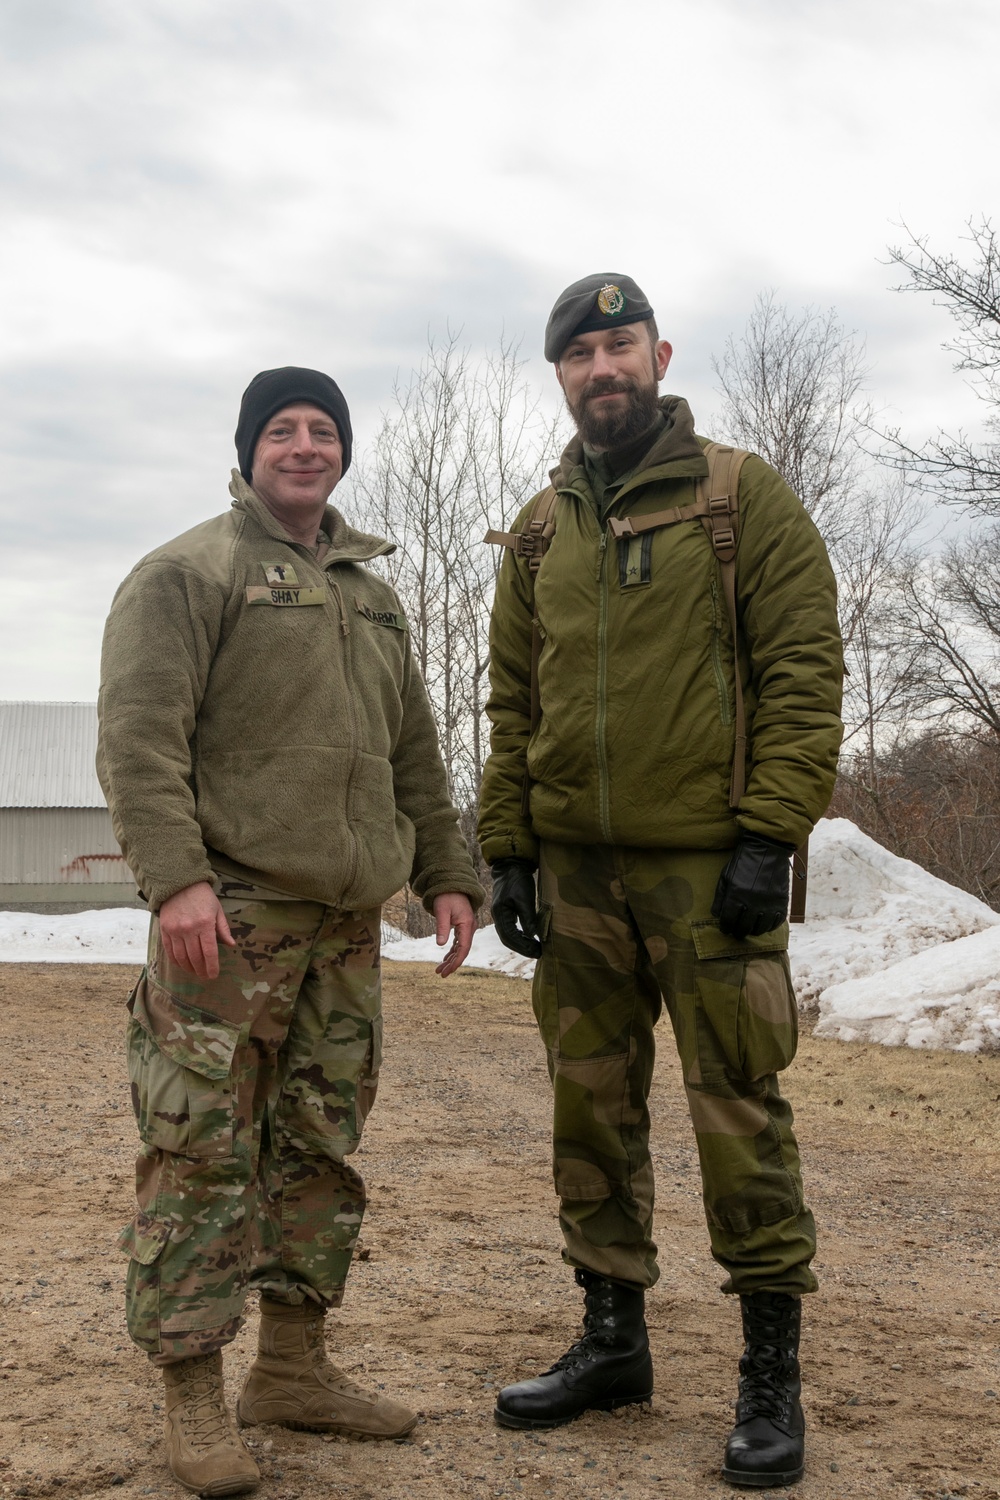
(624, 930)
(250, 1091)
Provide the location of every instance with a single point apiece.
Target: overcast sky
(194, 190)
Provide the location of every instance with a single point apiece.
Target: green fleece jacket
(261, 715)
(637, 669)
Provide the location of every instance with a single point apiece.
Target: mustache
(611, 387)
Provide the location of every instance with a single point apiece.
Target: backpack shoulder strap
(716, 503)
(535, 539)
(720, 491)
(718, 497)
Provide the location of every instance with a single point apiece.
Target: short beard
(605, 429)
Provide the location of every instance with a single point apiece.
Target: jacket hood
(676, 453)
(346, 543)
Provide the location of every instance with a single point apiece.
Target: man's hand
(752, 894)
(453, 913)
(514, 909)
(192, 925)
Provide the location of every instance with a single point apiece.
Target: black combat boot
(609, 1367)
(767, 1445)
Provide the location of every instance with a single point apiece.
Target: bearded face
(611, 413)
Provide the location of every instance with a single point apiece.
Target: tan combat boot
(292, 1382)
(204, 1450)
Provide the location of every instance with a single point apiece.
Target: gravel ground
(462, 1289)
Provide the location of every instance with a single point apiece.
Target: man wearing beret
(269, 756)
(669, 607)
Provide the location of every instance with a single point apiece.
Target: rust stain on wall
(84, 863)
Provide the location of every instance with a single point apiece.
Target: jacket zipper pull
(600, 555)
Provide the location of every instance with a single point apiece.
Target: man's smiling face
(298, 460)
(610, 379)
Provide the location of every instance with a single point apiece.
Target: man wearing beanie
(666, 677)
(269, 756)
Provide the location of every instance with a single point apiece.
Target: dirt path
(463, 1289)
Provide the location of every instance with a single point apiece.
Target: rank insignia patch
(611, 300)
(280, 575)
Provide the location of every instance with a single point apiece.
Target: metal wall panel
(47, 755)
(71, 846)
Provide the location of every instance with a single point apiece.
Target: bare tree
(927, 784)
(949, 616)
(461, 449)
(883, 663)
(790, 385)
(939, 805)
(957, 469)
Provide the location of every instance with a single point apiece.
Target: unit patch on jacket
(257, 594)
(280, 575)
(381, 616)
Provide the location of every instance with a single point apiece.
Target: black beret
(595, 302)
(271, 391)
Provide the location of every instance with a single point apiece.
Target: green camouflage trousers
(624, 930)
(250, 1092)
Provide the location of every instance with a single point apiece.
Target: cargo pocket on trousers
(144, 1238)
(591, 1109)
(769, 1017)
(745, 1011)
(180, 1063)
(368, 1082)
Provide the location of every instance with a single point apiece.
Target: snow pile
(948, 996)
(487, 952)
(868, 909)
(116, 936)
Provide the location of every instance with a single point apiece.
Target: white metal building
(57, 848)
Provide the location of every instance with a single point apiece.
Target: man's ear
(559, 377)
(661, 357)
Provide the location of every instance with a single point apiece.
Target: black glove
(752, 894)
(514, 910)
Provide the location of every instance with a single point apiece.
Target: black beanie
(271, 391)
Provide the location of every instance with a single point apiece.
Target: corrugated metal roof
(47, 755)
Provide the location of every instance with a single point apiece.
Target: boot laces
(596, 1337)
(203, 1415)
(765, 1370)
(319, 1359)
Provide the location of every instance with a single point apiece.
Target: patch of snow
(487, 953)
(115, 936)
(868, 909)
(947, 996)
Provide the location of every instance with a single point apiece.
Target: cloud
(192, 192)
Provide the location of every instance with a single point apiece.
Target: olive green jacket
(637, 669)
(261, 715)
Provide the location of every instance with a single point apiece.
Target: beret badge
(611, 300)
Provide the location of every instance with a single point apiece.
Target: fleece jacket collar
(346, 544)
